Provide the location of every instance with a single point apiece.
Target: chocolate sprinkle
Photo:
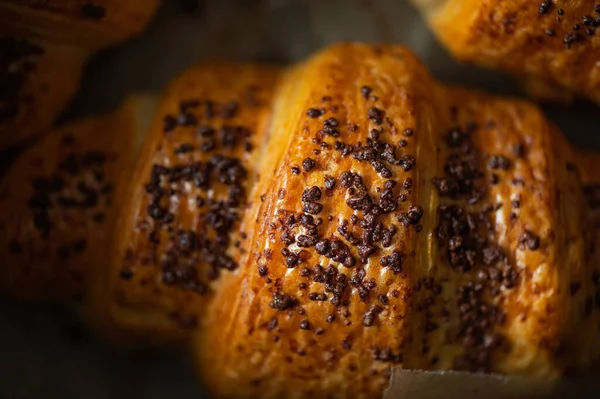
(282, 301)
(530, 240)
(314, 113)
(308, 164)
(376, 115)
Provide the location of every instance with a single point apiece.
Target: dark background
(44, 353)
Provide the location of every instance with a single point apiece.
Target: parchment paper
(412, 384)
(43, 353)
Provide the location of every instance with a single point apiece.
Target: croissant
(309, 229)
(43, 47)
(179, 214)
(56, 202)
(60, 201)
(551, 45)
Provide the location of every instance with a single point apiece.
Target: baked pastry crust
(178, 229)
(93, 24)
(57, 203)
(309, 229)
(42, 79)
(487, 269)
(43, 48)
(552, 43)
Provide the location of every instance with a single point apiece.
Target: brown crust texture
(406, 224)
(39, 79)
(82, 23)
(554, 43)
(56, 206)
(43, 47)
(312, 228)
(179, 228)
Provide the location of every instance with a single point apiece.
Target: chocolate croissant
(57, 203)
(310, 229)
(404, 223)
(43, 47)
(178, 228)
(552, 45)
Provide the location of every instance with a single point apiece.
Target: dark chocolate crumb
(370, 316)
(169, 123)
(308, 164)
(530, 240)
(393, 261)
(282, 301)
(126, 274)
(329, 182)
(366, 92)
(314, 113)
(376, 115)
(499, 162)
(571, 38)
(305, 325)
(263, 270)
(545, 6)
(314, 208)
(183, 148)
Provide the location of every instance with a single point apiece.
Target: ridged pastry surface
(407, 224)
(313, 227)
(38, 79)
(179, 227)
(56, 206)
(83, 23)
(43, 48)
(553, 44)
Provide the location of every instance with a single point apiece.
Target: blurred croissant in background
(43, 48)
(309, 228)
(554, 46)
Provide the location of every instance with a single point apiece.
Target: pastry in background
(43, 47)
(554, 46)
(57, 202)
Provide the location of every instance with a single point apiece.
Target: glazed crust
(311, 229)
(486, 270)
(179, 226)
(536, 40)
(82, 23)
(41, 93)
(44, 46)
(56, 204)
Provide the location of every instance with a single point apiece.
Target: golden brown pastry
(86, 23)
(404, 224)
(61, 243)
(553, 45)
(37, 80)
(178, 228)
(43, 47)
(57, 202)
(313, 228)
